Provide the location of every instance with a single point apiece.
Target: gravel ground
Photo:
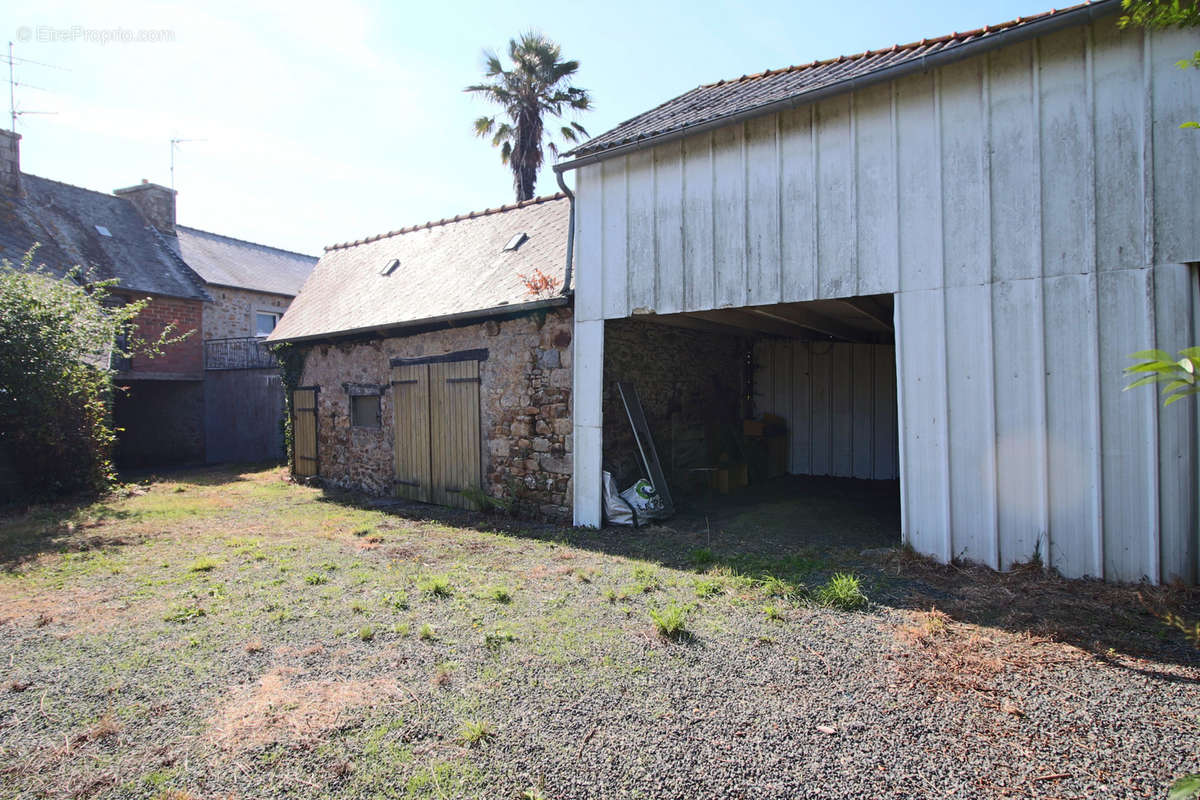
(231, 635)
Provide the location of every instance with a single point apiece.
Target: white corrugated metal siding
(839, 403)
(1034, 211)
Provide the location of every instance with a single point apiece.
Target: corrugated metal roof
(64, 220)
(713, 102)
(225, 261)
(449, 267)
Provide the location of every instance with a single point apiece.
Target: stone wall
(231, 314)
(690, 385)
(525, 408)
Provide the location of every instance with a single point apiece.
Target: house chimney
(155, 203)
(10, 162)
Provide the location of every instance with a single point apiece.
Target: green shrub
(56, 384)
(703, 557)
(843, 591)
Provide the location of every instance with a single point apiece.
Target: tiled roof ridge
(244, 241)
(194, 277)
(448, 220)
(895, 48)
(109, 195)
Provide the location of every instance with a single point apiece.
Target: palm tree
(538, 83)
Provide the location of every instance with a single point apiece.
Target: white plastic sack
(616, 509)
(645, 500)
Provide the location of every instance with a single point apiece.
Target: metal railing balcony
(246, 352)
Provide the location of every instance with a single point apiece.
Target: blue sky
(345, 119)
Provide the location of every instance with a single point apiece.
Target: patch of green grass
(501, 594)
(183, 613)
(475, 732)
(843, 591)
(315, 579)
(707, 587)
(426, 632)
(494, 639)
(671, 620)
(366, 633)
(772, 613)
(777, 587)
(204, 564)
(702, 557)
(358, 606)
(645, 580)
(396, 600)
(435, 585)
(400, 629)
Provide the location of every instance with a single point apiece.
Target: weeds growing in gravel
(396, 600)
(366, 633)
(843, 591)
(772, 613)
(671, 620)
(183, 613)
(357, 606)
(315, 579)
(494, 639)
(426, 632)
(475, 732)
(204, 564)
(707, 587)
(501, 594)
(435, 585)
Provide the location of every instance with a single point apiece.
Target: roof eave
(1051, 24)
(478, 315)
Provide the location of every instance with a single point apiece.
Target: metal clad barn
(1027, 197)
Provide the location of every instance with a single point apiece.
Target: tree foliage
(1157, 366)
(535, 85)
(1160, 14)
(59, 337)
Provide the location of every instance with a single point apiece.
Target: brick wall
(690, 386)
(231, 315)
(186, 356)
(525, 408)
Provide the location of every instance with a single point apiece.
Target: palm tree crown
(538, 83)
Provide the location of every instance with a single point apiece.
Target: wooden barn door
(437, 445)
(410, 396)
(454, 431)
(304, 432)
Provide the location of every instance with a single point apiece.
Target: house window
(265, 322)
(364, 410)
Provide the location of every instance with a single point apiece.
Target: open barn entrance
(779, 417)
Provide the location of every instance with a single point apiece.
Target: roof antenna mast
(174, 144)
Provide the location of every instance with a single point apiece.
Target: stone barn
(437, 361)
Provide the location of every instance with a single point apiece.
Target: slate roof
(63, 218)
(225, 261)
(449, 267)
(711, 103)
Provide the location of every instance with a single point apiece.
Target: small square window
(265, 322)
(364, 410)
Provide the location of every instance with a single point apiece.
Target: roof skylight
(390, 267)
(515, 242)
(103, 231)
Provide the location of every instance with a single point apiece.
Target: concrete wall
(525, 408)
(688, 381)
(839, 401)
(1032, 208)
(231, 314)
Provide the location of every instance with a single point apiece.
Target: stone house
(438, 360)
(214, 396)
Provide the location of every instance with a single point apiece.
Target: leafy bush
(1180, 375)
(55, 379)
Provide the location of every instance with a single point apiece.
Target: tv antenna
(12, 88)
(174, 144)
